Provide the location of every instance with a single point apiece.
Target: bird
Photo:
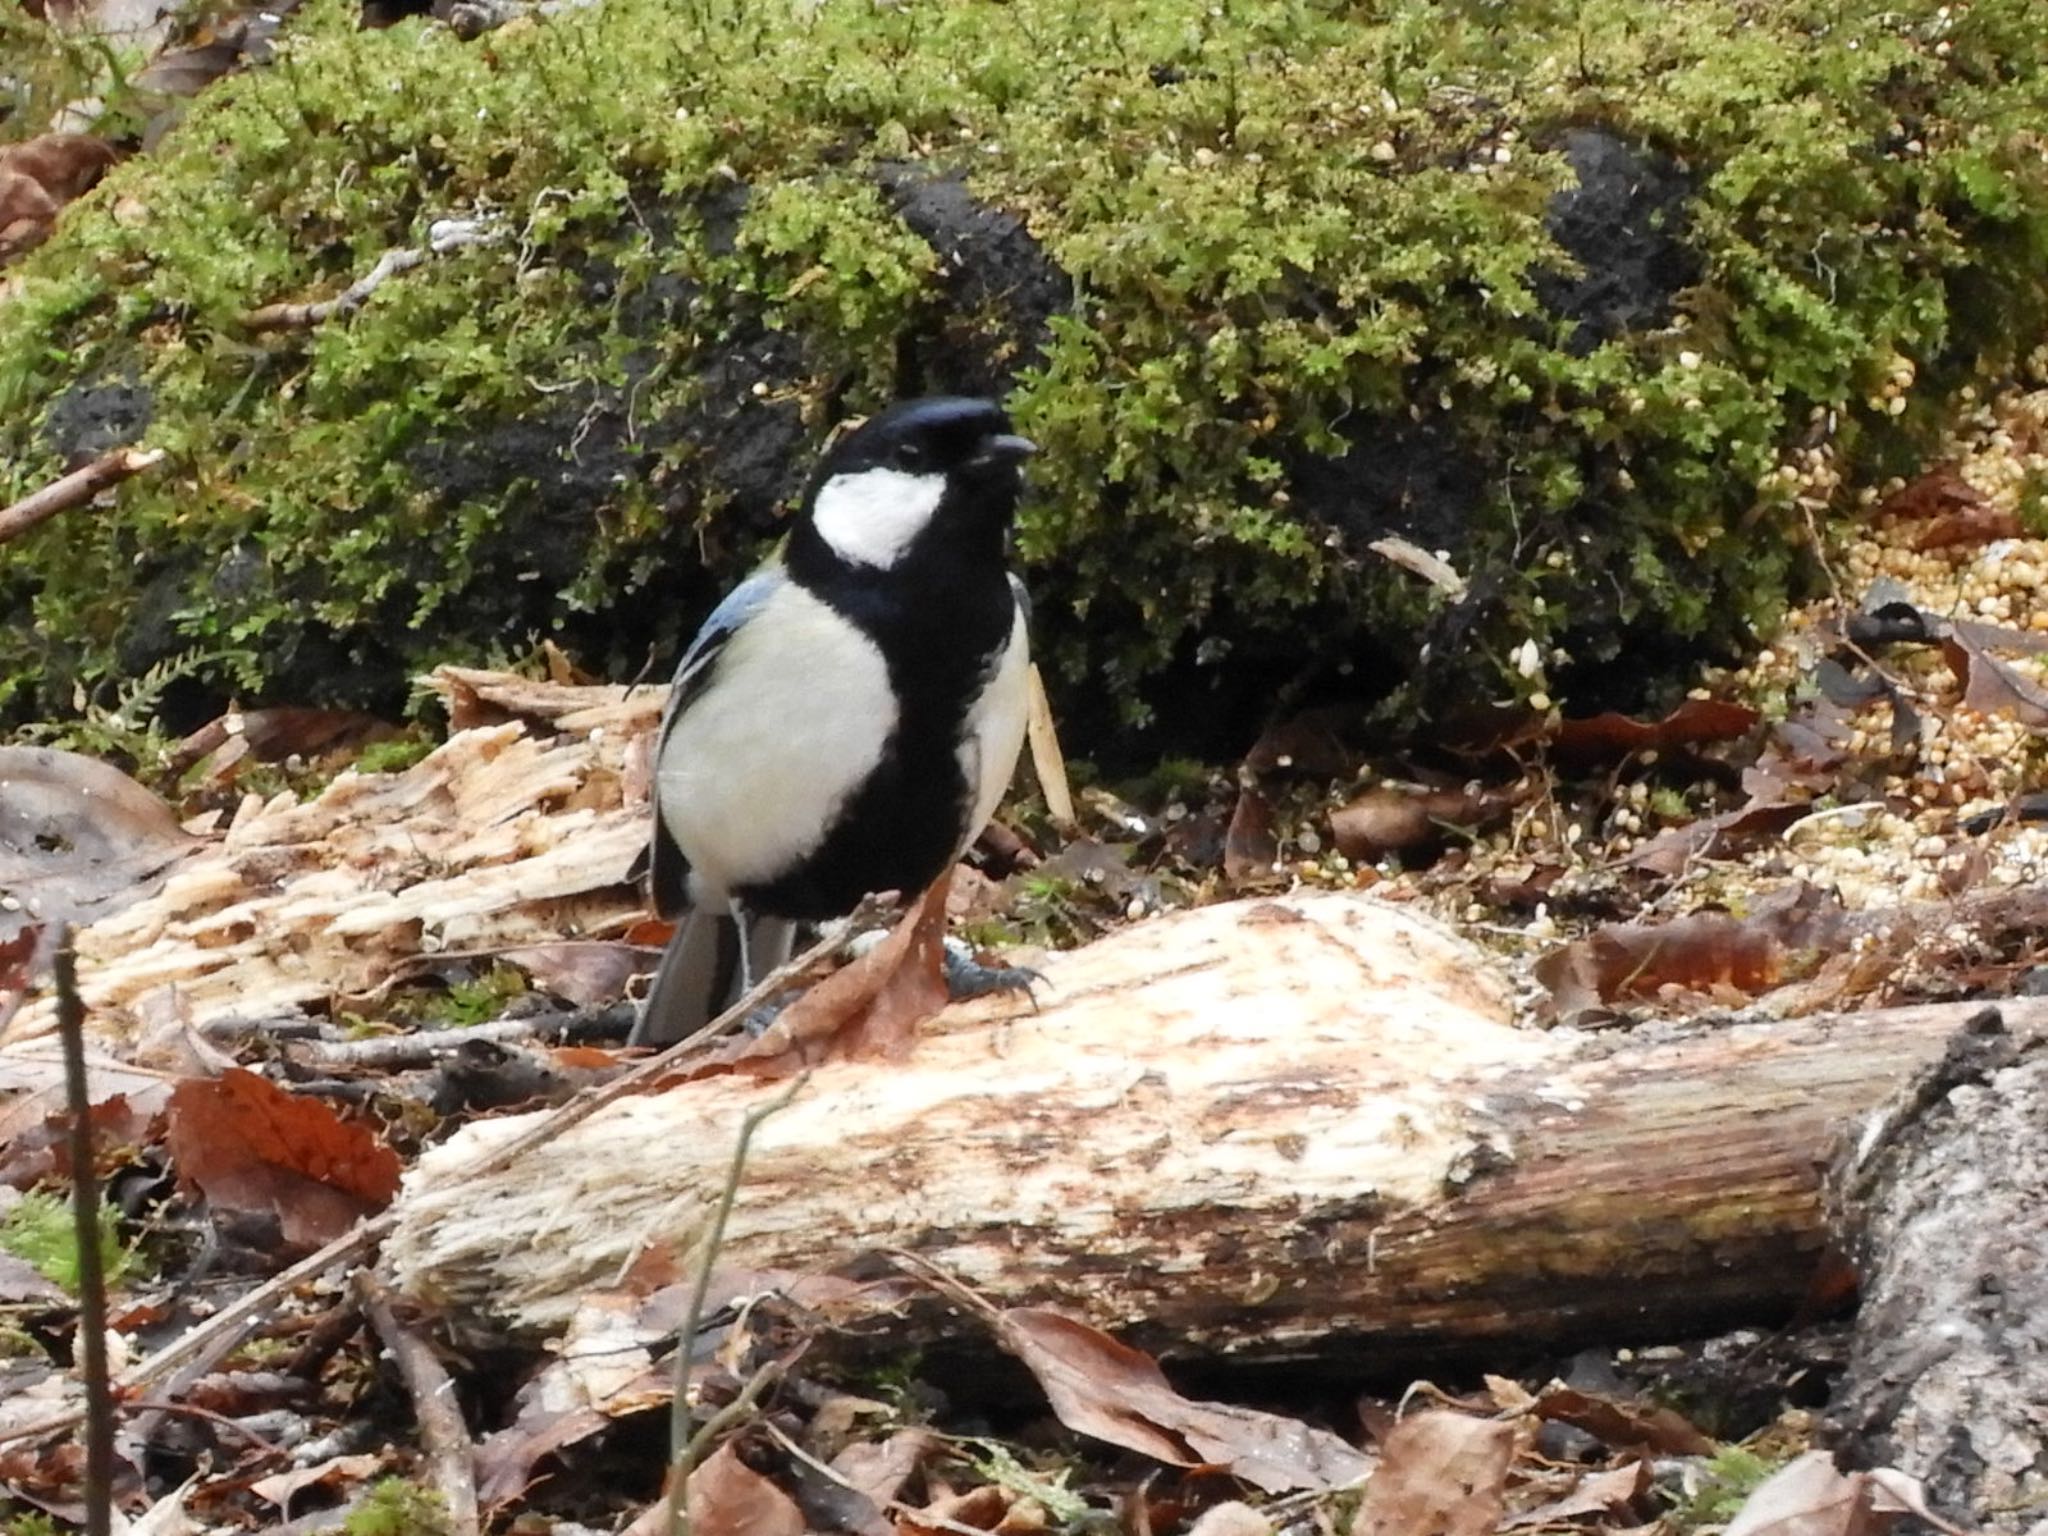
(848, 717)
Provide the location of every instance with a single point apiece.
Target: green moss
(395, 1507)
(1725, 1483)
(39, 1230)
(1287, 229)
(393, 756)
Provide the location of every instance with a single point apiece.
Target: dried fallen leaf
(253, 1149)
(1990, 686)
(584, 972)
(1250, 846)
(78, 837)
(1707, 953)
(1610, 1492)
(1931, 494)
(1100, 1387)
(38, 177)
(282, 1487)
(865, 1010)
(1390, 819)
(1625, 1426)
(1809, 1497)
(879, 1471)
(1696, 722)
(1440, 1472)
(729, 1498)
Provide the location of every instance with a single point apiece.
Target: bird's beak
(1005, 448)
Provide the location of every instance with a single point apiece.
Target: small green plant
(395, 1507)
(27, 1525)
(393, 756)
(126, 730)
(38, 1230)
(998, 1464)
(465, 1003)
(1724, 1483)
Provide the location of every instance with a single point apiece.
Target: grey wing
(669, 870)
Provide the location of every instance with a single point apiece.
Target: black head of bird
(934, 471)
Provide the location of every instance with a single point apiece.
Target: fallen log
(1943, 1205)
(1264, 1130)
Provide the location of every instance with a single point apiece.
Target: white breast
(995, 728)
(758, 768)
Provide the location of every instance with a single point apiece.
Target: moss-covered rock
(1551, 288)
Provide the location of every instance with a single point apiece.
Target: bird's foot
(967, 977)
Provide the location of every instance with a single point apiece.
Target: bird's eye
(909, 456)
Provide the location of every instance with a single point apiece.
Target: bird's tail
(701, 972)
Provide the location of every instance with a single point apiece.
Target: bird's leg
(742, 922)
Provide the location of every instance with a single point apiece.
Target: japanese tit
(849, 715)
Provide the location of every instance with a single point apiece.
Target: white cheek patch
(872, 517)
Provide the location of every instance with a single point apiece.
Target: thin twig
(445, 235)
(685, 1448)
(443, 1433)
(92, 1275)
(237, 1319)
(75, 489)
(303, 317)
(920, 1518)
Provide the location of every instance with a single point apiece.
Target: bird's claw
(967, 977)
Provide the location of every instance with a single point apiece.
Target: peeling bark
(1946, 1208)
(1266, 1131)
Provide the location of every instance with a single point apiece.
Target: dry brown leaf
(282, 1487)
(32, 1093)
(78, 837)
(1440, 1472)
(983, 1509)
(21, 1281)
(1609, 1492)
(1940, 490)
(1709, 953)
(1387, 819)
(270, 736)
(1696, 722)
(729, 1498)
(253, 1149)
(865, 1010)
(1100, 1387)
(1310, 744)
(1625, 1426)
(1809, 1497)
(584, 972)
(38, 177)
(1250, 846)
(880, 1470)
(1989, 685)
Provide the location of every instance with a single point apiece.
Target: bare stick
(684, 1447)
(303, 317)
(238, 1318)
(75, 489)
(446, 235)
(443, 1434)
(92, 1276)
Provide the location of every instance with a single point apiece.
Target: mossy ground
(1288, 285)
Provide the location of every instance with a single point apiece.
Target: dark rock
(97, 415)
(1001, 289)
(1416, 479)
(1625, 225)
